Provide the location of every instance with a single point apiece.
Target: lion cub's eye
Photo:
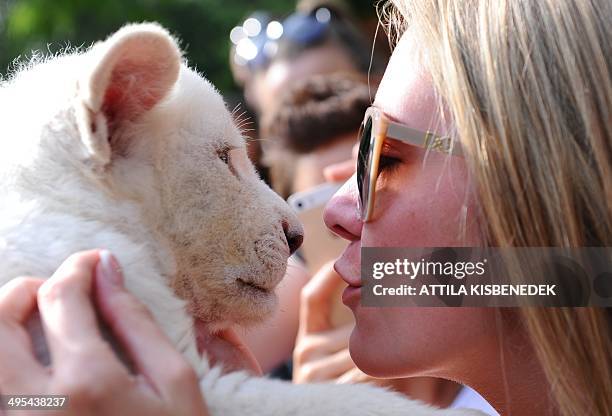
(224, 155)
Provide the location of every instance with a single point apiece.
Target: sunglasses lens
(364, 164)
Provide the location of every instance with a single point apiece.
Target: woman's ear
(124, 77)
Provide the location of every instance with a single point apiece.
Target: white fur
(118, 148)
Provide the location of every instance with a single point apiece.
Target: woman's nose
(341, 215)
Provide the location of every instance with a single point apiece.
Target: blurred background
(202, 25)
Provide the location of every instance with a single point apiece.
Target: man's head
(317, 122)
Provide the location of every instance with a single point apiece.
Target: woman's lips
(348, 265)
(351, 296)
(351, 280)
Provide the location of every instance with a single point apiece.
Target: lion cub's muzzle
(294, 237)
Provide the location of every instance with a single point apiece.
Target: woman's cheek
(425, 206)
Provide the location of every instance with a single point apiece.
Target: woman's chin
(368, 355)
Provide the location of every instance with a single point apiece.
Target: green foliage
(202, 25)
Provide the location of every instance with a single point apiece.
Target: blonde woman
(524, 88)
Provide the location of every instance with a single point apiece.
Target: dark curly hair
(318, 110)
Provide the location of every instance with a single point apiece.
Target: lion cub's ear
(125, 76)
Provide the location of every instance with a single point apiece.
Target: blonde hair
(528, 85)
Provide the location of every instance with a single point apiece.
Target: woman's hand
(227, 348)
(321, 352)
(84, 367)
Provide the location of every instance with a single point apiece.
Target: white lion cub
(124, 147)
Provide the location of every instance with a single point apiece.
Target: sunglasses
(374, 130)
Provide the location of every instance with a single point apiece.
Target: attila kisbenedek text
(457, 270)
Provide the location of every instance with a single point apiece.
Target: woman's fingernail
(109, 268)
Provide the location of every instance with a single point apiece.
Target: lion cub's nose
(294, 238)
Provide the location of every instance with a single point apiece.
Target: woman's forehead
(406, 93)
